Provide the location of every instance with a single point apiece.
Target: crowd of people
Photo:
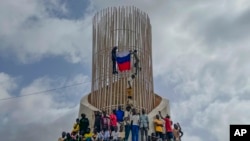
(118, 126)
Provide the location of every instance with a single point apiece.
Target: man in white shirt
(135, 125)
(106, 135)
(100, 135)
(115, 134)
(121, 133)
(130, 80)
(144, 125)
(131, 102)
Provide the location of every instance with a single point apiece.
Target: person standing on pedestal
(120, 114)
(144, 125)
(84, 124)
(97, 123)
(113, 120)
(105, 122)
(158, 127)
(127, 122)
(135, 125)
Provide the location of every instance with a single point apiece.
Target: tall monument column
(128, 29)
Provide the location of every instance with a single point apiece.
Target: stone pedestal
(88, 109)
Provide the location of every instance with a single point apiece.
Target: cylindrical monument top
(128, 29)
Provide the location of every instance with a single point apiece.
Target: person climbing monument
(113, 53)
(177, 132)
(181, 132)
(130, 80)
(136, 64)
(130, 102)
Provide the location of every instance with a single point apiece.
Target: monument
(122, 64)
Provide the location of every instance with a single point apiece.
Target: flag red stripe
(124, 66)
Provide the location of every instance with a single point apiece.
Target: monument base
(88, 109)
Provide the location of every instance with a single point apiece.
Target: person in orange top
(158, 127)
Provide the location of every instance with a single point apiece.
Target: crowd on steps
(118, 125)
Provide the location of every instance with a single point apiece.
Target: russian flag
(123, 60)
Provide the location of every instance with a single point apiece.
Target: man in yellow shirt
(88, 135)
(76, 126)
(158, 127)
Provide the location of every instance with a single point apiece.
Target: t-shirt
(119, 115)
(113, 120)
(127, 115)
(168, 125)
(105, 122)
(130, 79)
(100, 136)
(84, 123)
(115, 135)
(144, 120)
(122, 135)
(130, 102)
(73, 136)
(157, 127)
(135, 119)
(88, 135)
(75, 127)
(106, 135)
(97, 121)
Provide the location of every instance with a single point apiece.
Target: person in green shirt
(84, 124)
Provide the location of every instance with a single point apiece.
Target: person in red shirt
(113, 120)
(168, 126)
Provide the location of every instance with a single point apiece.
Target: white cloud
(30, 33)
(6, 85)
(51, 103)
(42, 111)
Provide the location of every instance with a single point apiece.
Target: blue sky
(200, 63)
